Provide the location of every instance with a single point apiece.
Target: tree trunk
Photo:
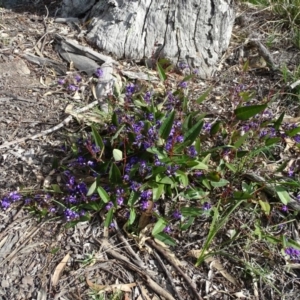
(194, 32)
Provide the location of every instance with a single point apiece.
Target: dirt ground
(32, 252)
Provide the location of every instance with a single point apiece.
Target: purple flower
(81, 161)
(61, 81)
(297, 138)
(109, 205)
(179, 139)
(284, 208)
(82, 188)
(70, 214)
(291, 172)
(120, 200)
(183, 84)
(177, 215)
(130, 89)
(147, 97)
(72, 88)
(77, 78)
(99, 72)
(14, 196)
(5, 203)
(206, 206)
(183, 65)
(192, 152)
(167, 229)
(293, 253)
(207, 126)
(144, 205)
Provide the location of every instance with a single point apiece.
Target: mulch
(44, 259)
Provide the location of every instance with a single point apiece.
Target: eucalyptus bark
(194, 32)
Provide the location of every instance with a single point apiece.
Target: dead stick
(186, 278)
(107, 247)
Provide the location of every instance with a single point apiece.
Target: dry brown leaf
(111, 288)
(216, 264)
(59, 269)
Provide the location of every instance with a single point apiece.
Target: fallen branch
(107, 247)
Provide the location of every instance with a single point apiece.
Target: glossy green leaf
(92, 188)
(114, 174)
(293, 131)
(134, 196)
(191, 211)
(161, 73)
(117, 154)
(222, 182)
(183, 178)
(246, 112)
(193, 133)
(204, 96)
(283, 195)
(109, 217)
(278, 122)
(97, 138)
(215, 128)
(241, 140)
(187, 223)
(132, 216)
(166, 127)
(272, 141)
(157, 191)
(56, 188)
(231, 167)
(199, 166)
(165, 238)
(103, 194)
(265, 206)
(159, 226)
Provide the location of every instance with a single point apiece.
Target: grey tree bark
(195, 32)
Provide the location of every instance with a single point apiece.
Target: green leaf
(231, 167)
(293, 131)
(160, 154)
(165, 238)
(193, 133)
(191, 211)
(166, 180)
(241, 140)
(56, 188)
(239, 195)
(215, 128)
(97, 138)
(109, 217)
(157, 191)
(166, 127)
(92, 188)
(272, 141)
(246, 112)
(265, 206)
(199, 166)
(117, 154)
(204, 96)
(278, 122)
(195, 194)
(283, 195)
(114, 119)
(134, 196)
(159, 226)
(114, 174)
(183, 178)
(161, 73)
(103, 194)
(132, 215)
(222, 182)
(187, 123)
(187, 223)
